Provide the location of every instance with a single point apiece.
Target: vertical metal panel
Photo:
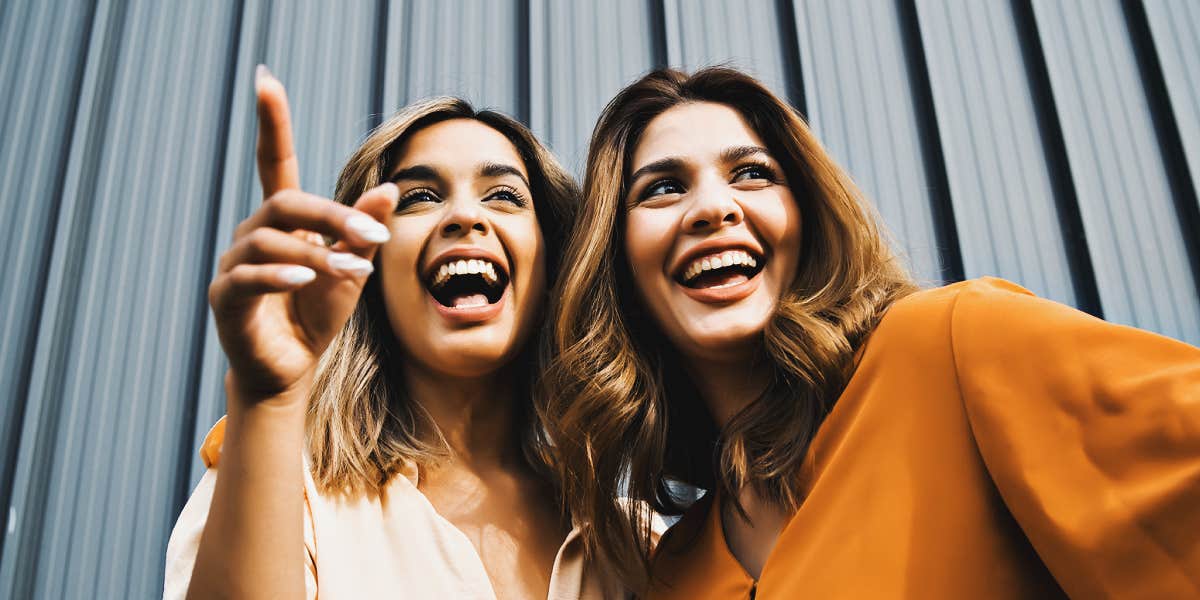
(1175, 25)
(466, 48)
(860, 104)
(1003, 197)
(42, 51)
(101, 432)
(581, 55)
(1133, 230)
(746, 35)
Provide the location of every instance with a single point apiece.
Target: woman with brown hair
(734, 320)
(380, 439)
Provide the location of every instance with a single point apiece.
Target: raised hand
(281, 294)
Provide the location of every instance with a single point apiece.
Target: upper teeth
(466, 267)
(716, 261)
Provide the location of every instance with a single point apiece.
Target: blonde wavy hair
(361, 427)
(621, 415)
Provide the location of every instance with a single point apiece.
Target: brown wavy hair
(361, 427)
(621, 415)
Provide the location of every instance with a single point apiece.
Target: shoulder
(921, 321)
(980, 309)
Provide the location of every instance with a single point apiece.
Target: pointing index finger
(277, 165)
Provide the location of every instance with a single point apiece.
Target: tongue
(719, 279)
(469, 301)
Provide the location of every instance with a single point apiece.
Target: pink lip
(469, 316)
(723, 295)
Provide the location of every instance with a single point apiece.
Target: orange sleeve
(1091, 433)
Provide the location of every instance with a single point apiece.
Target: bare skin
(277, 303)
(488, 492)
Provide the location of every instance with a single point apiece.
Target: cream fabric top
(394, 545)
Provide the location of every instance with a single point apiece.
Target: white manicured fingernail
(392, 191)
(349, 263)
(368, 229)
(297, 275)
(261, 75)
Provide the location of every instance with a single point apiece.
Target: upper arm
(1091, 433)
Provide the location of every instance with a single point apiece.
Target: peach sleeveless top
(393, 545)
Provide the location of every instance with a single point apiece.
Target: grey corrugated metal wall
(1052, 142)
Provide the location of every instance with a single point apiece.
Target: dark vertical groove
(379, 64)
(45, 445)
(187, 423)
(20, 395)
(1066, 199)
(934, 160)
(785, 12)
(1166, 130)
(658, 32)
(524, 57)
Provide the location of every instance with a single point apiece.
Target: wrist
(240, 397)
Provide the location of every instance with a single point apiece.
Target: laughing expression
(712, 233)
(464, 272)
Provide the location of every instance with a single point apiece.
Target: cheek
(647, 242)
(526, 247)
(778, 220)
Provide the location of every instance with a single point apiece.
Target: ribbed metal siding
(1033, 140)
(862, 104)
(1129, 215)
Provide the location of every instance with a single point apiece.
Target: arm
(278, 299)
(1091, 433)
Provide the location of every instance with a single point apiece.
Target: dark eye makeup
(508, 194)
(416, 196)
(505, 193)
(748, 172)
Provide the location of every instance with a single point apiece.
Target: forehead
(695, 130)
(458, 144)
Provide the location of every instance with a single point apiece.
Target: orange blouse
(989, 445)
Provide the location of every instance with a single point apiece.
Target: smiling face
(463, 275)
(712, 233)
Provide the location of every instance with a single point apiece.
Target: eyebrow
(415, 173)
(674, 163)
(494, 169)
(428, 173)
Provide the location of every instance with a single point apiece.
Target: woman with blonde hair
(380, 440)
(734, 320)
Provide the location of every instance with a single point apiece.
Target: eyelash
(516, 198)
(766, 171)
(425, 195)
(414, 197)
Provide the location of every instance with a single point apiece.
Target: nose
(713, 208)
(463, 217)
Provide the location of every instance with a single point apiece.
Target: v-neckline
(413, 479)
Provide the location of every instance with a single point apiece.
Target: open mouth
(720, 270)
(467, 283)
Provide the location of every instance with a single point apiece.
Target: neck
(474, 414)
(729, 384)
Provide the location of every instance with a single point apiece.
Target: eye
(416, 196)
(754, 172)
(661, 187)
(507, 194)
